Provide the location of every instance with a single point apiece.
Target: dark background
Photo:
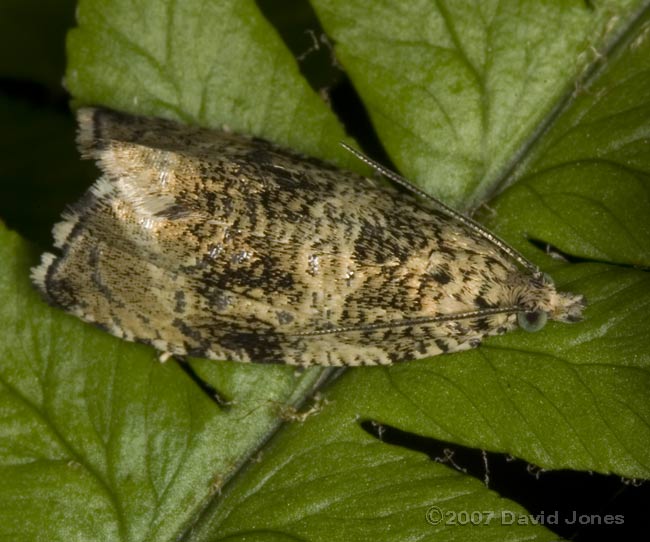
(40, 173)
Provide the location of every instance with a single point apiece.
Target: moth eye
(532, 321)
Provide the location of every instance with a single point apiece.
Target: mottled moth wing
(217, 245)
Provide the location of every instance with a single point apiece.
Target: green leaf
(585, 184)
(98, 440)
(211, 63)
(90, 419)
(327, 479)
(457, 94)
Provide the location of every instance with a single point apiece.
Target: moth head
(540, 301)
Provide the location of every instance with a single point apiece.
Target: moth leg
(213, 393)
(164, 356)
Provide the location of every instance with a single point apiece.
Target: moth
(217, 245)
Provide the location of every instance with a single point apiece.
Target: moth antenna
(412, 322)
(469, 222)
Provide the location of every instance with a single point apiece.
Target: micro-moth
(222, 246)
